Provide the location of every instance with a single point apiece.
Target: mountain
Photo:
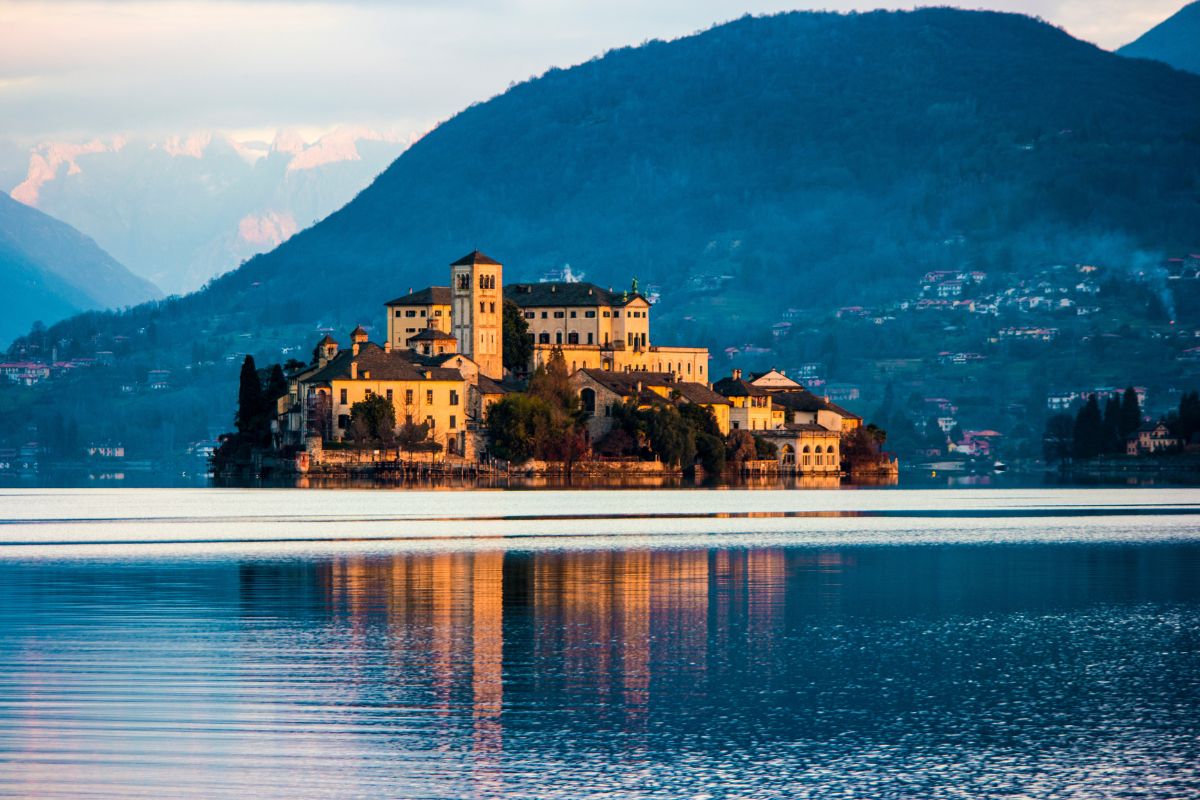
(770, 168)
(49, 270)
(1175, 41)
(183, 209)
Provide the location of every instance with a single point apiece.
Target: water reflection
(758, 672)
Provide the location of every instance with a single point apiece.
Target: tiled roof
(489, 386)
(429, 296)
(431, 335)
(736, 387)
(700, 394)
(382, 366)
(804, 400)
(474, 257)
(529, 295)
(626, 385)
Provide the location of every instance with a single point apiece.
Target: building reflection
(474, 637)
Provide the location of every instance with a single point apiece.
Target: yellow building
(751, 408)
(416, 311)
(599, 391)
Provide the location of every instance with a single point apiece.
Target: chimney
(354, 366)
(387, 347)
(737, 374)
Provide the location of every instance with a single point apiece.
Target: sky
(74, 69)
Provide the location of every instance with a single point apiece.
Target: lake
(1020, 643)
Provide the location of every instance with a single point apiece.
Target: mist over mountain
(48, 270)
(1176, 41)
(181, 210)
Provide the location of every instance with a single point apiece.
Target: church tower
(477, 292)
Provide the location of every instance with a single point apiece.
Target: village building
(600, 391)
(1151, 438)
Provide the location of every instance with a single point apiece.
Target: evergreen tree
(277, 385)
(1089, 430)
(1131, 413)
(1111, 429)
(1058, 440)
(252, 405)
(517, 346)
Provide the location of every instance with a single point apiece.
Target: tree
(765, 450)
(277, 385)
(252, 420)
(414, 437)
(864, 444)
(552, 382)
(373, 421)
(1088, 435)
(1111, 438)
(1058, 442)
(1131, 412)
(710, 451)
(740, 447)
(517, 346)
(515, 424)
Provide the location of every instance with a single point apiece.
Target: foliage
(518, 347)
(1088, 435)
(865, 444)
(373, 422)
(1058, 442)
(765, 449)
(516, 426)
(710, 452)
(414, 437)
(255, 412)
(741, 447)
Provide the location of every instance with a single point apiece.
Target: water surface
(996, 646)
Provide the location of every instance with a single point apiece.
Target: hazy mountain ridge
(802, 162)
(49, 270)
(185, 208)
(1176, 41)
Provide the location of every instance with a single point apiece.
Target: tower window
(492, 308)
(464, 281)
(482, 306)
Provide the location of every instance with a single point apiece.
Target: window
(558, 314)
(616, 314)
(453, 399)
(430, 421)
(573, 338)
(530, 315)
(453, 421)
(343, 397)
(482, 306)
(410, 330)
(736, 425)
(588, 396)
(589, 338)
(464, 281)
(590, 314)
(606, 315)
(422, 312)
(408, 397)
(543, 338)
(543, 315)
(572, 315)
(389, 395)
(558, 337)
(429, 396)
(491, 308)
(412, 312)
(399, 313)
(343, 421)
(437, 312)
(368, 394)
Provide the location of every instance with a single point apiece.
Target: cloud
(83, 68)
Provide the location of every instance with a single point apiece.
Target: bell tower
(477, 292)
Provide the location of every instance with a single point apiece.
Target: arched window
(544, 338)
(558, 337)
(573, 338)
(789, 454)
(818, 450)
(588, 397)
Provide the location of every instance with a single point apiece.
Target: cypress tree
(1089, 430)
(1131, 413)
(277, 385)
(1112, 425)
(251, 401)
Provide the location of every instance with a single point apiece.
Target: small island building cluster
(441, 365)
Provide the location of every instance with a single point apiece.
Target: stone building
(599, 391)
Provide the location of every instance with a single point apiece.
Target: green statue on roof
(635, 289)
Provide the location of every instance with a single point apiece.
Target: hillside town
(443, 380)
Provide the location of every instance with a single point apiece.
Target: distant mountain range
(180, 210)
(797, 162)
(1176, 41)
(49, 270)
